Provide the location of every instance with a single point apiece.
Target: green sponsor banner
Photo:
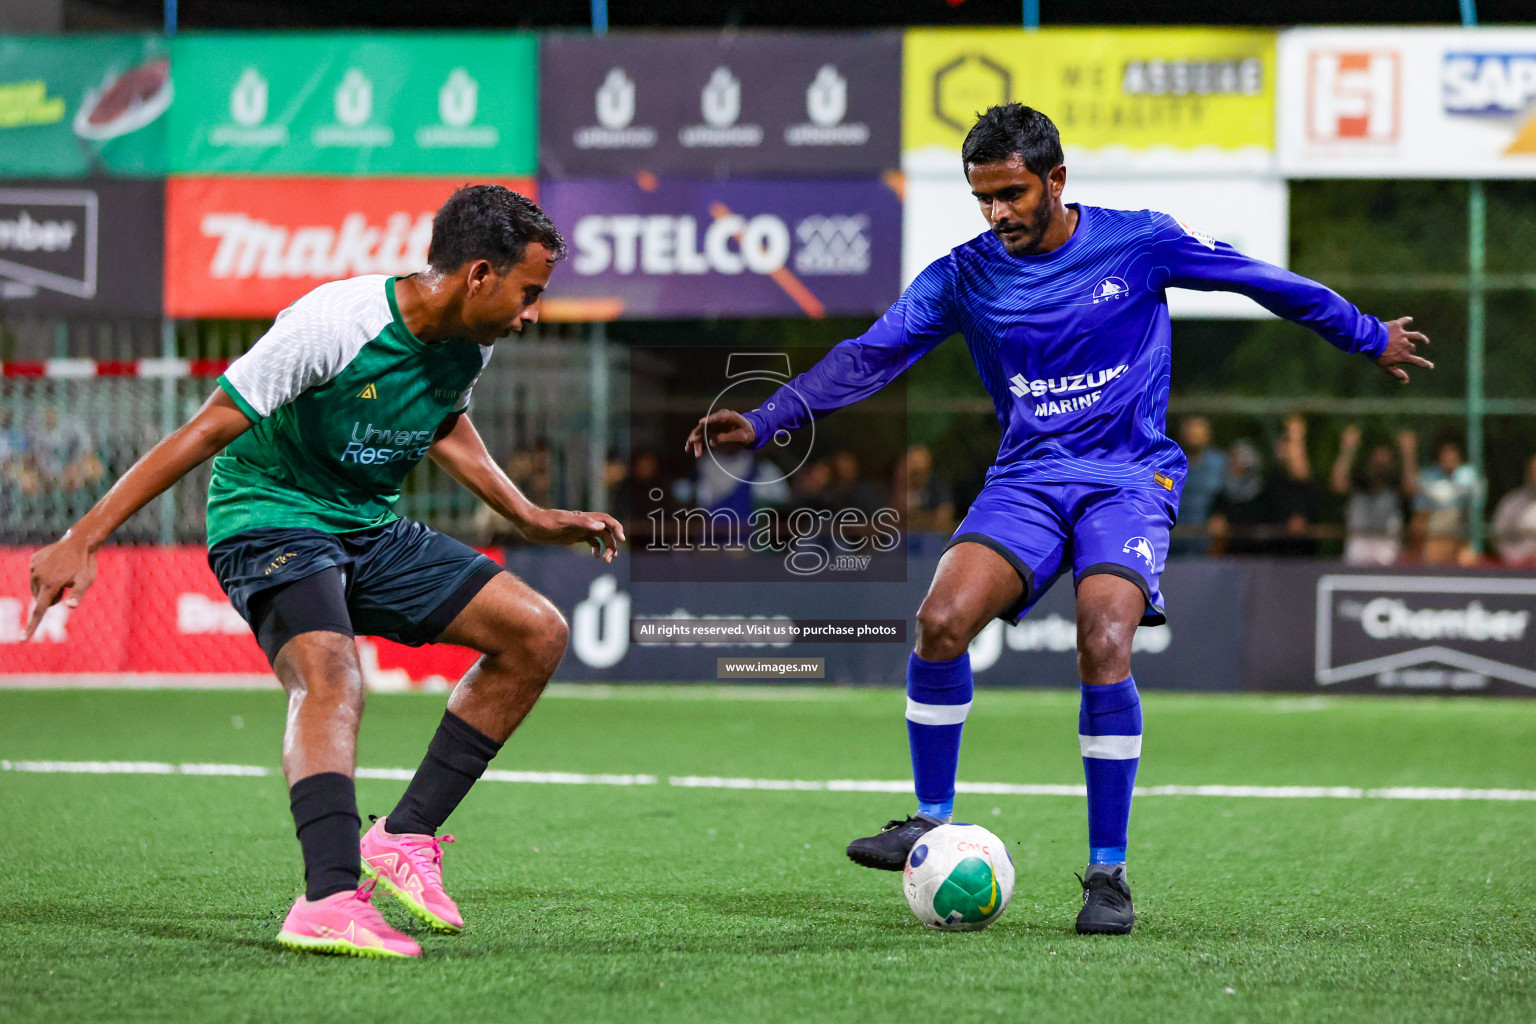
(77, 105)
(346, 103)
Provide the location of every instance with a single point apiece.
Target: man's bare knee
(943, 632)
(1104, 651)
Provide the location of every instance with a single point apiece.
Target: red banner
(160, 610)
(248, 247)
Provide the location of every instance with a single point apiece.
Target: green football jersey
(345, 401)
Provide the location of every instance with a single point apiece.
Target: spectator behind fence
(1443, 506)
(62, 454)
(1514, 521)
(1378, 495)
(1207, 474)
(929, 508)
(1294, 500)
(1239, 507)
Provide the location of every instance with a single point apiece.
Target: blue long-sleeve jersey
(1074, 346)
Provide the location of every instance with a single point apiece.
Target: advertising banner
(72, 106)
(250, 246)
(1250, 213)
(1414, 103)
(1127, 101)
(340, 103)
(1200, 649)
(1393, 631)
(716, 104)
(685, 248)
(160, 611)
(94, 246)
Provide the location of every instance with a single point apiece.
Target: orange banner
(248, 247)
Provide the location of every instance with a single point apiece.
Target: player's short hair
(1010, 128)
(491, 223)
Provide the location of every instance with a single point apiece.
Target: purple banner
(720, 103)
(679, 248)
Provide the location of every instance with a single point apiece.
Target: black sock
(325, 816)
(456, 757)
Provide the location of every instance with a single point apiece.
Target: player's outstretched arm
(461, 452)
(70, 562)
(855, 369)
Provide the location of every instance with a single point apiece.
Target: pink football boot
(410, 867)
(347, 924)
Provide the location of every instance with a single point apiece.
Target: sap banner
(91, 246)
(1127, 101)
(669, 247)
(1408, 103)
(1249, 213)
(349, 103)
(711, 104)
(250, 246)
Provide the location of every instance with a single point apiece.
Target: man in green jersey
(318, 425)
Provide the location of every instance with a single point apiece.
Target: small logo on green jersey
(446, 394)
(369, 392)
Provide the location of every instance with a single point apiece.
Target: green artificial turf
(149, 898)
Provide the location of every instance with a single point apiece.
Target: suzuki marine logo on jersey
(1110, 288)
(1084, 388)
(1141, 547)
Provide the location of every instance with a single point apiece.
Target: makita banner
(1408, 103)
(1312, 627)
(79, 105)
(92, 246)
(354, 103)
(683, 248)
(720, 104)
(251, 246)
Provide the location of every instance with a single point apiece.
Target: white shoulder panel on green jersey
(485, 358)
(312, 341)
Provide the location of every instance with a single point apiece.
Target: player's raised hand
(602, 532)
(721, 427)
(1401, 346)
(66, 564)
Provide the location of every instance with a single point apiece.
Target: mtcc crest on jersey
(1141, 547)
(1110, 288)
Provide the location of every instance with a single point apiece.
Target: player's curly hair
(1011, 128)
(492, 223)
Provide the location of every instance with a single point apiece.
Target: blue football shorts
(1043, 528)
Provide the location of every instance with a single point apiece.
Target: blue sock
(1109, 733)
(938, 699)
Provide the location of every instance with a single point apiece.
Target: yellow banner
(1126, 100)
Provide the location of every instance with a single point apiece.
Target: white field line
(794, 785)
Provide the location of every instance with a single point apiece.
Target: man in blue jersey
(1064, 311)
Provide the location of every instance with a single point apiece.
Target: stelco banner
(1395, 103)
(674, 248)
(336, 103)
(717, 104)
(1127, 101)
(248, 247)
(77, 105)
(92, 246)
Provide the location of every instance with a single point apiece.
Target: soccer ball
(958, 877)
